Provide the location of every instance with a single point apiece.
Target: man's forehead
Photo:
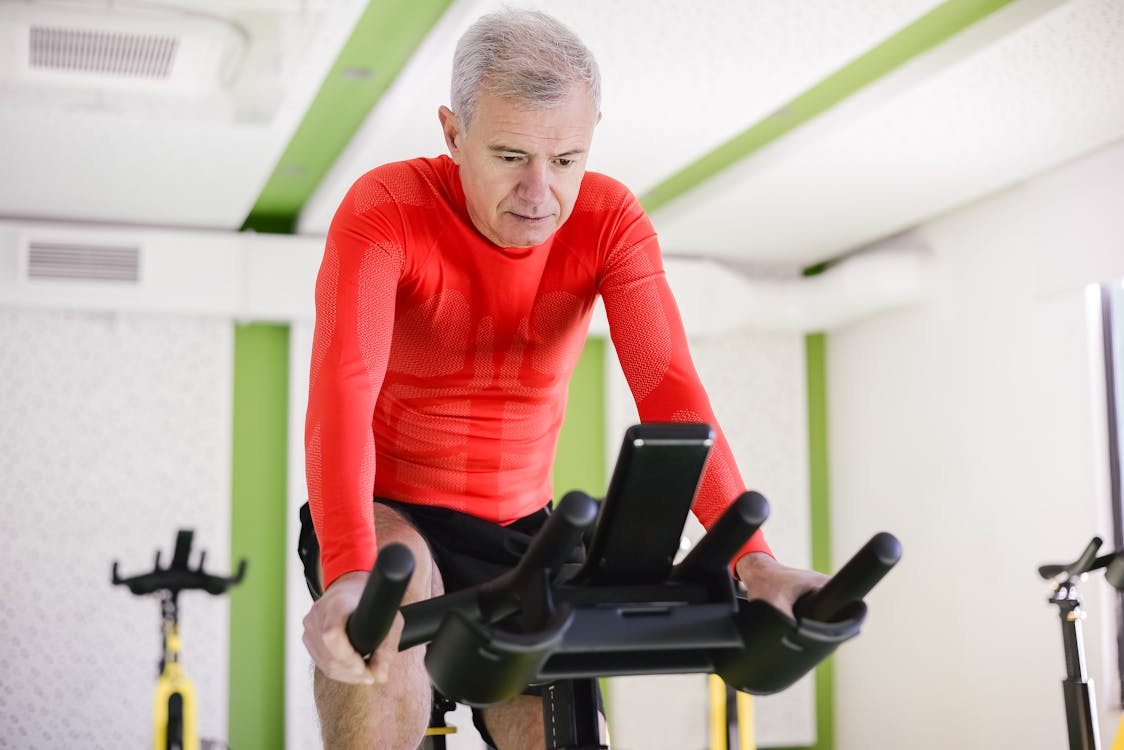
(524, 143)
(554, 129)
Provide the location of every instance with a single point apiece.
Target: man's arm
(355, 298)
(650, 341)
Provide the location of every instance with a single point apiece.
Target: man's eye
(510, 158)
(563, 161)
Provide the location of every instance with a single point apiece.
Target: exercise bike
(174, 705)
(1077, 687)
(627, 610)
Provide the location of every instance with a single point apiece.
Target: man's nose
(534, 183)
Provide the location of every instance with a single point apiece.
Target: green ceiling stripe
(384, 38)
(923, 34)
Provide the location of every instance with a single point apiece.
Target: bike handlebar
(545, 554)
(179, 576)
(853, 581)
(1112, 562)
(372, 618)
(369, 624)
(719, 545)
(382, 596)
(1088, 561)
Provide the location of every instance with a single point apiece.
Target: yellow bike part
(718, 727)
(1118, 743)
(174, 685)
(718, 722)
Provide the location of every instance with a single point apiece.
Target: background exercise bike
(627, 610)
(174, 704)
(1077, 687)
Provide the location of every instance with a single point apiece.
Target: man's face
(521, 167)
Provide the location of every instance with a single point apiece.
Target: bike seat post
(1070, 615)
(570, 715)
(1081, 709)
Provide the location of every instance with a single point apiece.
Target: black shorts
(467, 550)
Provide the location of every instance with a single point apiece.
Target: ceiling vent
(102, 52)
(120, 47)
(72, 261)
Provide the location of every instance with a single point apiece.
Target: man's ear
(451, 127)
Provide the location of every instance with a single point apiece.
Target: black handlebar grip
(718, 546)
(1114, 571)
(560, 535)
(370, 622)
(853, 581)
(547, 552)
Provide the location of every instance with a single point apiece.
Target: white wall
(971, 425)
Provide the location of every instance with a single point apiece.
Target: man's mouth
(524, 217)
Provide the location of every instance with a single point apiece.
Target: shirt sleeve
(355, 296)
(651, 344)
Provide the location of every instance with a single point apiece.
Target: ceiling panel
(1048, 92)
(192, 147)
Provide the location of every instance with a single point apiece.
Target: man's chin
(521, 245)
(523, 234)
(524, 241)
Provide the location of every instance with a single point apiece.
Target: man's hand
(326, 639)
(778, 584)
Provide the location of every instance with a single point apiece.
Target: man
(452, 305)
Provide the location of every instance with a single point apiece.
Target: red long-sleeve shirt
(440, 362)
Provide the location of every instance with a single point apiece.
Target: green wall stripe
(929, 30)
(384, 38)
(257, 533)
(579, 462)
(816, 363)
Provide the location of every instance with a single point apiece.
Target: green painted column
(816, 364)
(579, 462)
(815, 346)
(257, 530)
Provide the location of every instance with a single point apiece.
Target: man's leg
(392, 716)
(517, 725)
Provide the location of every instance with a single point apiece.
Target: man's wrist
(745, 565)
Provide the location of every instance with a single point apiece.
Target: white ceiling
(1042, 89)
(1034, 85)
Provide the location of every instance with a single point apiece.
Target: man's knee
(391, 527)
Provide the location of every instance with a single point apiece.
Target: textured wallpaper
(114, 433)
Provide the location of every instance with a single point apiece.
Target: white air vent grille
(53, 261)
(104, 52)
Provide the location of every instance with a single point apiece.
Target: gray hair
(524, 55)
